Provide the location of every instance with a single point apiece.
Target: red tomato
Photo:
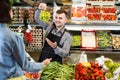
(35, 75)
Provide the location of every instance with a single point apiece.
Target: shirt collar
(62, 30)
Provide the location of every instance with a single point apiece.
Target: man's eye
(60, 18)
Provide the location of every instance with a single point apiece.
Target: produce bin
(116, 41)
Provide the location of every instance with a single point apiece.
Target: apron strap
(49, 29)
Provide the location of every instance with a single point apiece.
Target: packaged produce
(93, 12)
(113, 70)
(109, 9)
(116, 41)
(76, 41)
(78, 12)
(104, 39)
(93, 9)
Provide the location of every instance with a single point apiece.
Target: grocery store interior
(95, 18)
(93, 24)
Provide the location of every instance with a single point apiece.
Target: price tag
(88, 39)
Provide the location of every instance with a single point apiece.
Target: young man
(57, 40)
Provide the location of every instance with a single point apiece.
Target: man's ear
(66, 20)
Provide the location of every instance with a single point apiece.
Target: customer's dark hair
(60, 11)
(5, 8)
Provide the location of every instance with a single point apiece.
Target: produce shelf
(92, 26)
(95, 52)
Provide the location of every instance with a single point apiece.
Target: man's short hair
(60, 11)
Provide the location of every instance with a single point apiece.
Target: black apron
(48, 52)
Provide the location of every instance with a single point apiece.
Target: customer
(58, 40)
(13, 59)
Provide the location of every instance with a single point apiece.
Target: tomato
(35, 75)
(27, 75)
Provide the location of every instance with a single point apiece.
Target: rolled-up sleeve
(40, 22)
(64, 51)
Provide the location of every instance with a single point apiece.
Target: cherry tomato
(35, 75)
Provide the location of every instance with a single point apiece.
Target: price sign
(89, 39)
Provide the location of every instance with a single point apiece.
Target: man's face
(60, 20)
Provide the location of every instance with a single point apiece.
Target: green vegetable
(112, 65)
(104, 39)
(109, 75)
(76, 40)
(56, 71)
(44, 15)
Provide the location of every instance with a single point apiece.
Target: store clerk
(13, 59)
(57, 39)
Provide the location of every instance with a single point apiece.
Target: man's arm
(64, 51)
(42, 6)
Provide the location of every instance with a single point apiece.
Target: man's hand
(42, 6)
(52, 44)
(46, 61)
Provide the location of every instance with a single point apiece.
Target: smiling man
(57, 39)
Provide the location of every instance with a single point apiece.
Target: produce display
(112, 66)
(92, 72)
(109, 17)
(56, 71)
(109, 70)
(104, 39)
(20, 12)
(93, 12)
(93, 9)
(109, 9)
(116, 41)
(102, 11)
(76, 40)
(32, 76)
(94, 16)
(78, 12)
(37, 38)
(109, 13)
